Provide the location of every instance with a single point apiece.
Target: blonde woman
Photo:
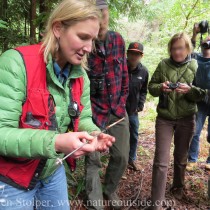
(44, 92)
(172, 83)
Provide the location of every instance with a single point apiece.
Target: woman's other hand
(183, 88)
(103, 141)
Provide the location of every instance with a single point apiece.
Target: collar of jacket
(76, 72)
(136, 70)
(108, 41)
(179, 64)
(202, 59)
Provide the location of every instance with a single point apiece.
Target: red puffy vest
(38, 112)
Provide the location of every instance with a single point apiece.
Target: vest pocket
(35, 113)
(33, 121)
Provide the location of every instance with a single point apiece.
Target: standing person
(202, 80)
(172, 83)
(109, 89)
(35, 110)
(138, 81)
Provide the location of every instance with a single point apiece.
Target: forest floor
(136, 188)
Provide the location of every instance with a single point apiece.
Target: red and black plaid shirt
(109, 60)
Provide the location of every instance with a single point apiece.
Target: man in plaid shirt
(109, 90)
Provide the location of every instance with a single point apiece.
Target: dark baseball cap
(136, 46)
(101, 4)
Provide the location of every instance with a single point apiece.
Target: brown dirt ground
(137, 185)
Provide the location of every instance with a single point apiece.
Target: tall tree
(32, 22)
(5, 18)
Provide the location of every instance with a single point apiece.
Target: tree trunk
(4, 17)
(32, 23)
(1, 10)
(25, 26)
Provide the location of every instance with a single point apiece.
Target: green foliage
(168, 17)
(122, 8)
(161, 18)
(75, 179)
(153, 24)
(156, 9)
(3, 24)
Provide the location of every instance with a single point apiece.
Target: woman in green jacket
(71, 30)
(172, 82)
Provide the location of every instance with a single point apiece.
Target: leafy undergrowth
(135, 189)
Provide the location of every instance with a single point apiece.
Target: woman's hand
(165, 88)
(103, 141)
(183, 88)
(68, 142)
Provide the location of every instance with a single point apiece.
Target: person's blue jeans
(48, 194)
(134, 133)
(203, 113)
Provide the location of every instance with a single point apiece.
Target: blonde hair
(68, 12)
(179, 36)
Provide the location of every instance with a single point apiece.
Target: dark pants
(182, 130)
(134, 134)
(203, 113)
(119, 153)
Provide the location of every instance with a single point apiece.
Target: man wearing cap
(138, 81)
(109, 90)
